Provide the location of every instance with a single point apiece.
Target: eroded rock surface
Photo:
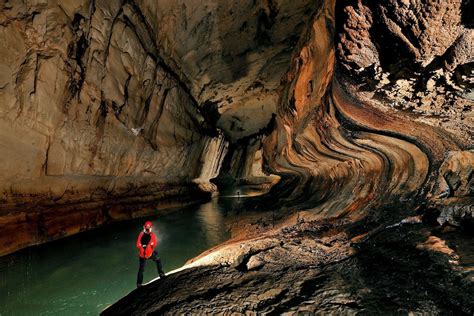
(343, 152)
(232, 54)
(316, 268)
(90, 114)
(415, 56)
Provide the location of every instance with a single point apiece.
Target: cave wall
(412, 56)
(92, 121)
(85, 81)
(109, 104)
(231, 54)
(341, 151)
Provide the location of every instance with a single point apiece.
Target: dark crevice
(153, 129)
(45, 164)
(467, 13)
(265, 21)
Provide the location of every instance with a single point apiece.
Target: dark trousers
(141, 268)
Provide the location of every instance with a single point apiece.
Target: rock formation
(117, 108)
(362, 108)
(335, 139)
(92, 119)
(386, 176)
(316, 268)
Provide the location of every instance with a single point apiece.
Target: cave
(293, 157)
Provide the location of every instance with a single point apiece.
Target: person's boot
(139, 285)
(159, 268)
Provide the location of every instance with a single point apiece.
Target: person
(146, 245)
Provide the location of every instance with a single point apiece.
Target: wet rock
(402, 267)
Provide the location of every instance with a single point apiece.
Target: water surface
(82, 274)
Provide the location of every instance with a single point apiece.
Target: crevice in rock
(45, 164)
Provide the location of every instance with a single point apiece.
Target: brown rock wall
(89, 115)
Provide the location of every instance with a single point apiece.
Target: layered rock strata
(338, 150)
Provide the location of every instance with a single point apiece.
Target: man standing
(146, 244)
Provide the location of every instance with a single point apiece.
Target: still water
(82, 274)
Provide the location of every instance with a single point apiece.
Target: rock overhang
(231, 54)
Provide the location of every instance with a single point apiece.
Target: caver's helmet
(147, 225)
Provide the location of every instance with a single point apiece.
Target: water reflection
(82, 274)
(212, 217)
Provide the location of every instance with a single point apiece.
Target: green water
(82, 274)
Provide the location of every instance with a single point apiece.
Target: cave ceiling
(231, 54)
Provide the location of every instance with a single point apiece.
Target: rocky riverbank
(322, 266)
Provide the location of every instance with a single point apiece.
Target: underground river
(84, 273)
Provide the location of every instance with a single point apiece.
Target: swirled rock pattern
(343, 152)
(339, 150)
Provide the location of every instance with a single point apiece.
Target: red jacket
(148, 251)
